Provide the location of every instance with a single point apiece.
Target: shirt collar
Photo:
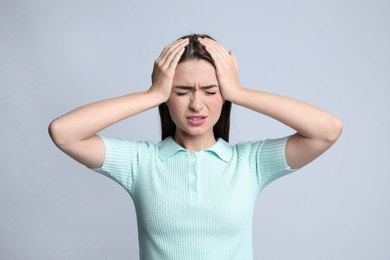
(169, 147)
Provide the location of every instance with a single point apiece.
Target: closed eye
(184, 90)
(181, 93)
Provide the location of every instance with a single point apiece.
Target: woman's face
(195, 102)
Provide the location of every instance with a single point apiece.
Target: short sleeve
(120, 162)
(271, 162)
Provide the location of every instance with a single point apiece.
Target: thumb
(234, 58)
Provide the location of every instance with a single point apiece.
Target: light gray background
(57, 55)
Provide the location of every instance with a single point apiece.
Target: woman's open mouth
(196, 120)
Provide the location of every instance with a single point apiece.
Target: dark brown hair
(196, 51)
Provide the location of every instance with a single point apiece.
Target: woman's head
(196, 61)
(194, 50)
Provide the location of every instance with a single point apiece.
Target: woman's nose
(196, 103)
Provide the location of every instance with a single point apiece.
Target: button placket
(193, 189)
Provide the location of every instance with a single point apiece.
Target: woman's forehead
(193, 72)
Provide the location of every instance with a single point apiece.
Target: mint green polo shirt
(194, 206)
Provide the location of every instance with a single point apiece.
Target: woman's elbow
(56, 133)
(335, 129)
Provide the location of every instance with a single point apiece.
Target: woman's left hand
(226, 67)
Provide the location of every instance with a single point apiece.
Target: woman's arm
(316, 129)
(75, 132)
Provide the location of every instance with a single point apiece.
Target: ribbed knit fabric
(194, 206)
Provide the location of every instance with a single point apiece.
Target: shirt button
(192, 177)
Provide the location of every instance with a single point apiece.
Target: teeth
(195, 118)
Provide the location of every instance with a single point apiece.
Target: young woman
(194, 193)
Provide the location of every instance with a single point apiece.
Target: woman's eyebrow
(190, 87)
(184, 87)
(209, 86)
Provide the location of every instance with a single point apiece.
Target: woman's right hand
(165, 67)
(75, 133)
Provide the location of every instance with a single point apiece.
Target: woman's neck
(194, 143)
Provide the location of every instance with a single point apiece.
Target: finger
(175, 59)
(210, 49)
(168, 49)
(216, 50)
(218, 57)
(174, 55)
(234, 58)
(172, 45)
(165, 52)
(161, 64)
(217, 46)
